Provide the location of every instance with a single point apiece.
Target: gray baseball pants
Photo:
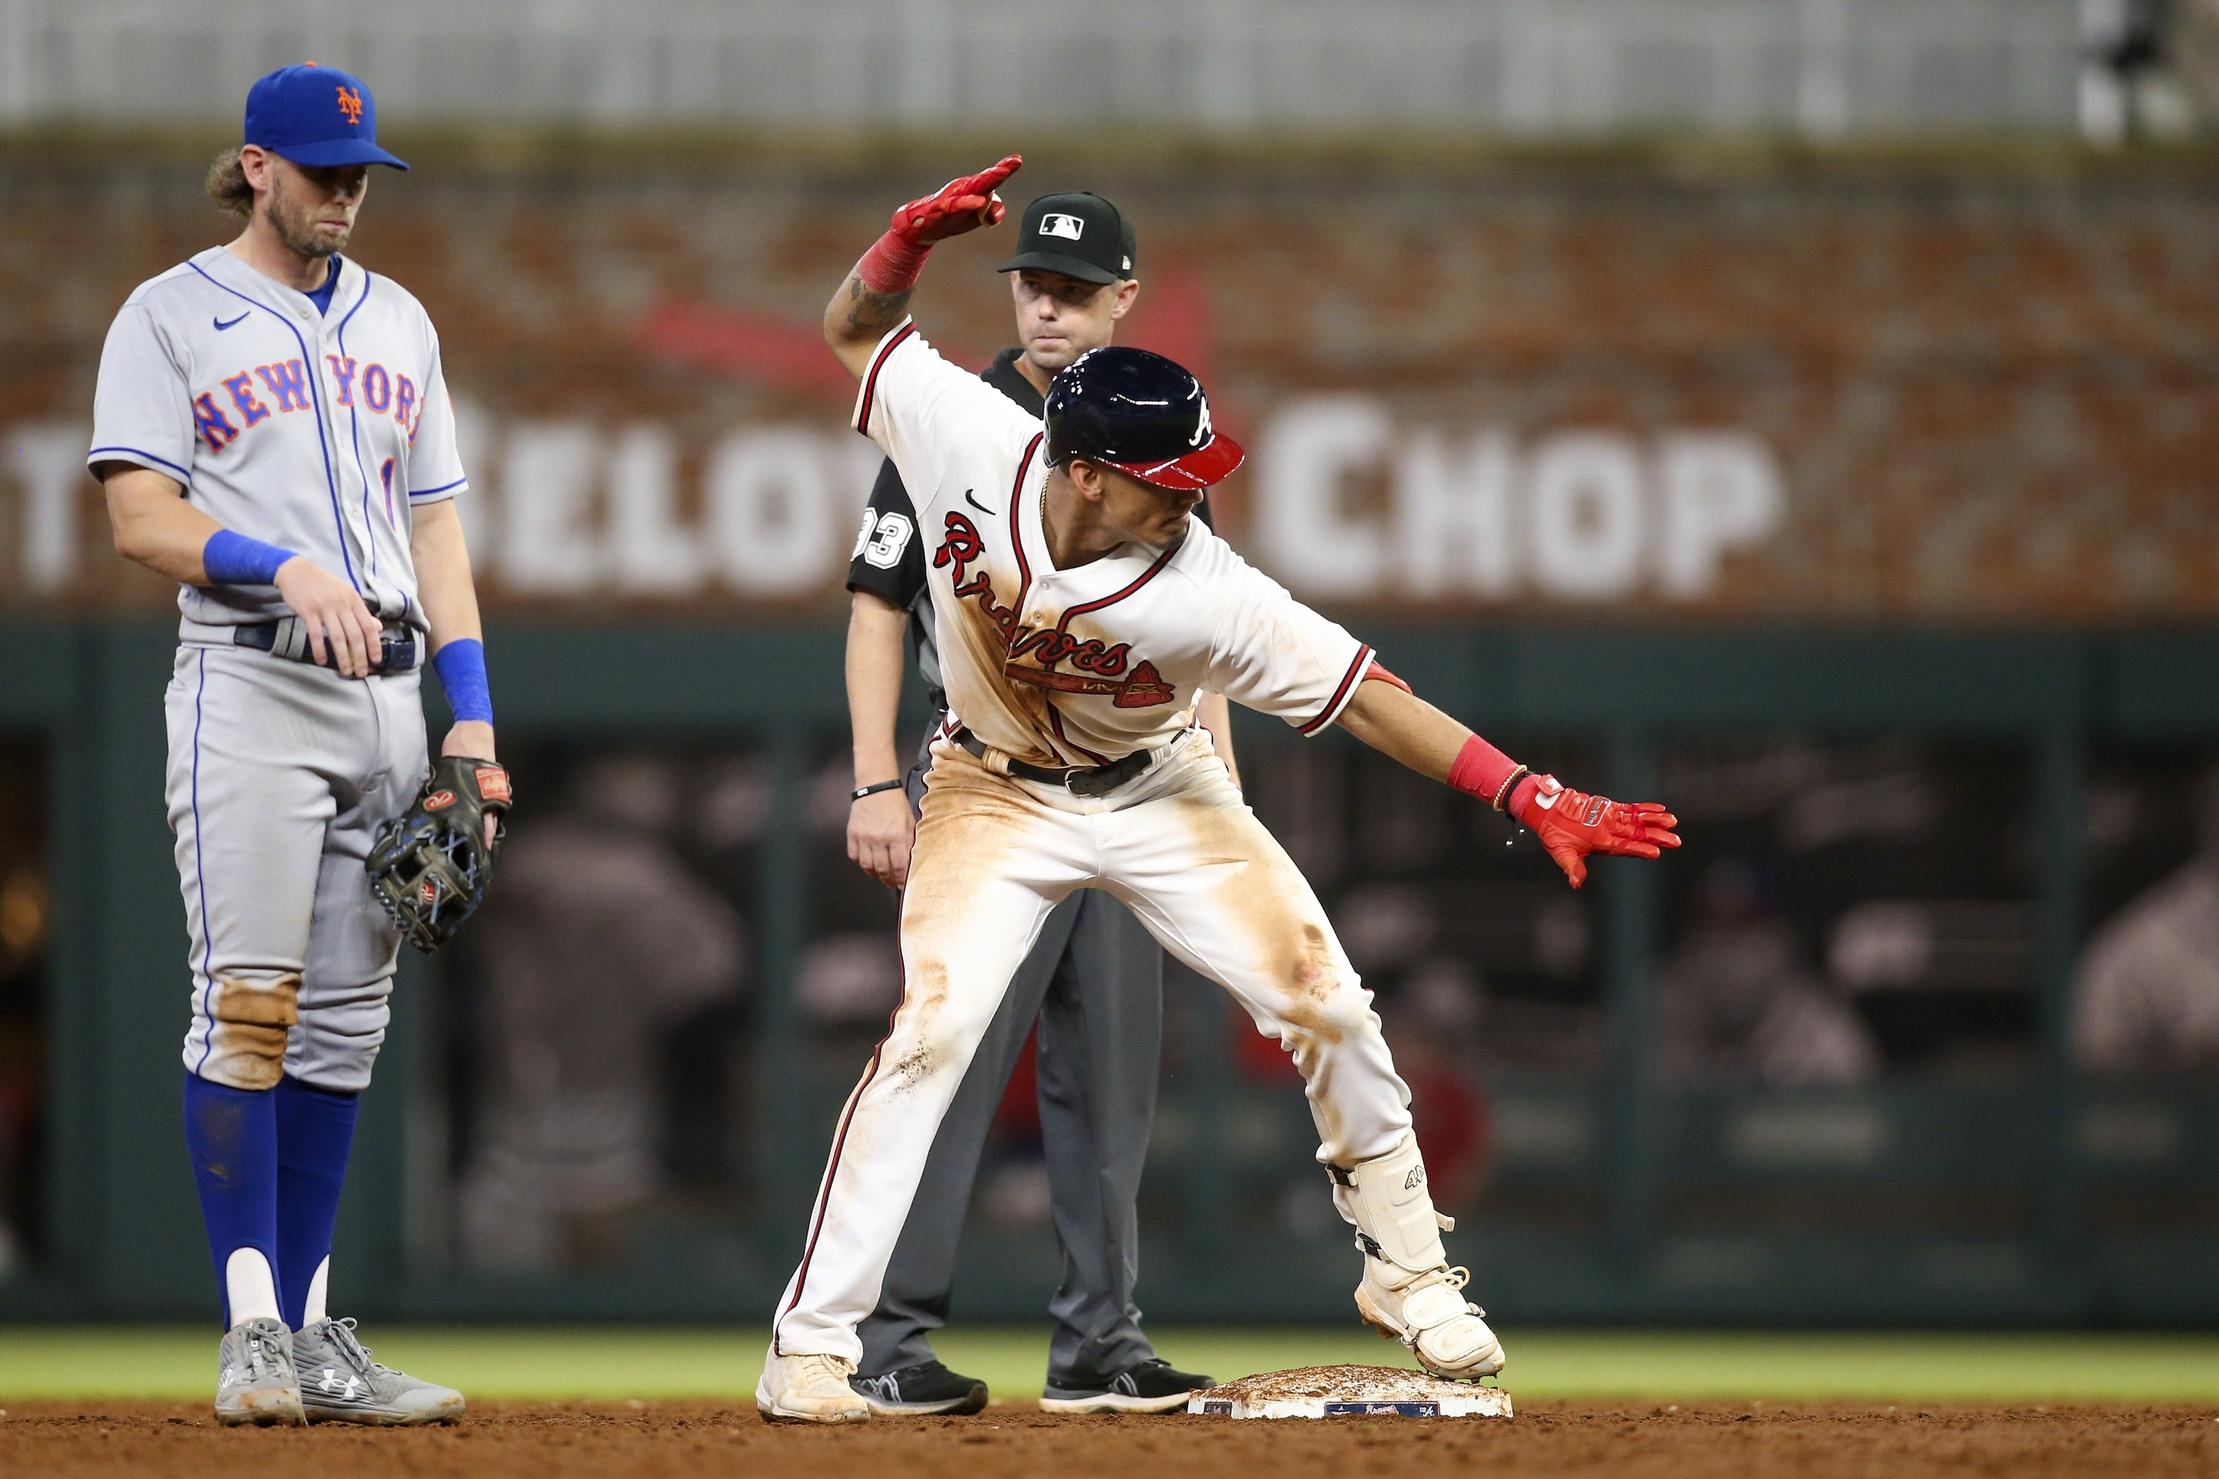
(279, 775)
(1094, 983)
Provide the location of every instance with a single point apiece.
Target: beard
(296, 226)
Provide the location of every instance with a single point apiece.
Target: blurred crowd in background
(1846, 912)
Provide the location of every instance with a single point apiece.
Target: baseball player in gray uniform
(272, 430)
(1094, 980)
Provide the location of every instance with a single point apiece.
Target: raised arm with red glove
(1571, 824)
(875, 296)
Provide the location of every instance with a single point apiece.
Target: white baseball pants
(993, 855)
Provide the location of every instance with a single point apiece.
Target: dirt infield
(537, 1441)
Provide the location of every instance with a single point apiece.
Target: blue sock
(315, 1130)
(232, 1137)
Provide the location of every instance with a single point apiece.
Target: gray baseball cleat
(255, 1380)
(339, 1383)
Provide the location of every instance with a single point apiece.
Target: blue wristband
(461, 665)
(234, 559)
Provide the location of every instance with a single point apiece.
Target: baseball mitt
(430, 865)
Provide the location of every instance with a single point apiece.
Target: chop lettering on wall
(1573, 514)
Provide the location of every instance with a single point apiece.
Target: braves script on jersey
(1079, 666)
(315, 432)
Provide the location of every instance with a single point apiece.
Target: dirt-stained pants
(1178, 846)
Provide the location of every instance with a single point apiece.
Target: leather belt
(1079, 780)
(288, 638)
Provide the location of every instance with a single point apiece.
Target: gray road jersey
(316, 432)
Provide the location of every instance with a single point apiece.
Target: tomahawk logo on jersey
(1079, 666)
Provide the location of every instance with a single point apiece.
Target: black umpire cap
(1140, 413)
(1080, 235)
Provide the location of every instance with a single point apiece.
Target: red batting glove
(1571, 824)
(963, 204)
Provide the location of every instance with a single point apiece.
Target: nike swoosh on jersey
(222, 324)
(967, 498)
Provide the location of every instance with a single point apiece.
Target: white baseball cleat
(808, 1389)
(1431, 1317)
(1408, 1290)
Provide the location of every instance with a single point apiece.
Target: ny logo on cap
(350, 103)
(1069, 227)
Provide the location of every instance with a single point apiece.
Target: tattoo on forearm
(873, 313)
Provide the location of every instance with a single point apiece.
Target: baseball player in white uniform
(272, 430)
(1080, 610)
(1090, 994)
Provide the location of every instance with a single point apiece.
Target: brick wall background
(1992, 399)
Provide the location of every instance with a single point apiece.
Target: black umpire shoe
(1155, 1385)
(925, 1390)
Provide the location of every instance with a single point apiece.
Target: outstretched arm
(875, 296)
(1402, 726)
(1390, 718)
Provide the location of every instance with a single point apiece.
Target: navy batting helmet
(1139, 413)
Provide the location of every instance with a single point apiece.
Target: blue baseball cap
(316, 116)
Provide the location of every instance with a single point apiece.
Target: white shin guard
(1391, 1206)
(1408, 1289)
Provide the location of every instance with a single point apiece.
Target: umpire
(1095, 979)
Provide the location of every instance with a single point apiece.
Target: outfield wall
(1990, 1184)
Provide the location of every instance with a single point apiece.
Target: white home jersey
(1079, 666)
(315, 432)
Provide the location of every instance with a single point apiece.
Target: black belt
(396, 645)
(1079, 780)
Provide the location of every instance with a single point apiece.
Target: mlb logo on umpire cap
(1078, 234)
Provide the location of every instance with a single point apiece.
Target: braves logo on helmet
(1140, 413)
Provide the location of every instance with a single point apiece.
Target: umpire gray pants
(1094, 982)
